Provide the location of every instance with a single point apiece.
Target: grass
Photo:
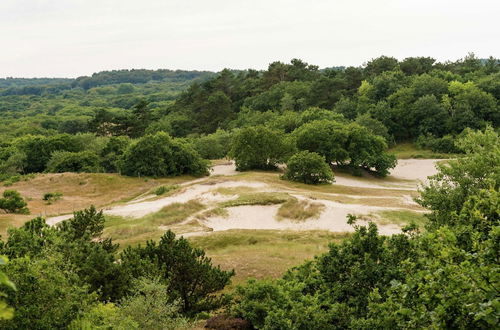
(265, 198)
(410, 150)
(263, 253)
(294, 209)
(272, 179)
(128, 231)
(161, 190)
(234, 190)
(80, 190)
(215, 212)
(401, 218)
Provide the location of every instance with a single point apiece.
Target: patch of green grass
(294, 209)
(266, 198)
(164, 189)
(410, 150)
(402, 217)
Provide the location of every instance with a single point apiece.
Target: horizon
(234, 69)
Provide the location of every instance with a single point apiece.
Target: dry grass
(215, 212)
(128, 231)
(265, 198)
(229, 191)
(80, 190)
(272, 179)
(293, 209)
(263, 253)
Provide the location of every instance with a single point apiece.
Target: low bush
(164, 189)
(13, 202)
(51, 197)
(308, 167)
(445, 144)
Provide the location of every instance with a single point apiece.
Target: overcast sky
(69, 38)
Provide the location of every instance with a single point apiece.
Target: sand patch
(332, 218)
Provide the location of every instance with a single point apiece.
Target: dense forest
(349, 116)
(164, 123)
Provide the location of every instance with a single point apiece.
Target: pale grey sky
(69, 38)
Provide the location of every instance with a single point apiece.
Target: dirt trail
(406, 175)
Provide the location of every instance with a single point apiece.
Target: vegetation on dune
(125, 230)
(445, 277)
(348, 115)
(262, 198)
(308, 167)
(13, 202)
(166, 123)
(69, 275)
(299, 210)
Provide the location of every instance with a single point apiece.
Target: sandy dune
(407, 174)
(333, 218)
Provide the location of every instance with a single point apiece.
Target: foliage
(160, 155)
(189, 273)
(446, 277)
(51, 197)
(459, 179)
(349, 145)
(47, 295)
(213, 146)
(12, 202)
(164, 189)
(6, 312)
(64, 161)
(308, 167)
(259, 148)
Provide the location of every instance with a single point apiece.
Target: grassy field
(410, 150)
(401, 217)
(78, 191)
(263, 253)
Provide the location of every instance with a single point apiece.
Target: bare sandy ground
(415, 169)
(333, 218)
(407, 175)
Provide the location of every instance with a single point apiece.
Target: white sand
(415, 169)
(333, 218)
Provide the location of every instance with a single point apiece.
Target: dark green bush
(12, 202)
(65, 161)
(160, 155)
(308, 167)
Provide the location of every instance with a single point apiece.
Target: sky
(71, 38)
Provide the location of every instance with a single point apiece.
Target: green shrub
(164, 189)
(51, 197)
(213, 146)
(12, 202)
(65, 161)
(160, 155)
(445, 144)
(308, 167)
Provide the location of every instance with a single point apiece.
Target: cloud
(77, 37)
